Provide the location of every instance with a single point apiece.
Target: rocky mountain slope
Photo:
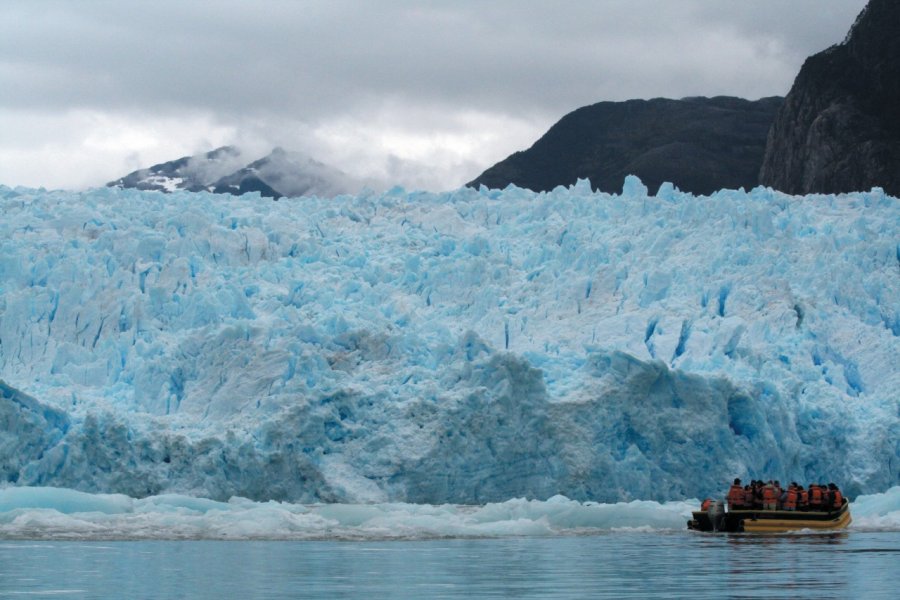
(699, 144)
(839, 127)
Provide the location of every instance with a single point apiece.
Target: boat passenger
(778, 494)
(837, 497)
(802, 498)
(757, 493)
(748, 496)
(770, 496)
(815, 497)
(790, 497)
(736, 495)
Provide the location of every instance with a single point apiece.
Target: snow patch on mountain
(225, 171)
(190, 173)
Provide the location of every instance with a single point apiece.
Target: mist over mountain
(226, 171)
(284, 173)
(189, 173)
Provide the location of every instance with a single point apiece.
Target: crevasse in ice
(465, 347)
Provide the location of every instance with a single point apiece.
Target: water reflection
(614, 565)
(780, 563)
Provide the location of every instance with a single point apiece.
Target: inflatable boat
(716, 518)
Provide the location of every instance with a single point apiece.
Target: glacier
(465, 347)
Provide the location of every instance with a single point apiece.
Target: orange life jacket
(770, 494)
(815, 495)
(748, 498)
(804, 498)
(838, 498)
(705, 505)
(791, 501)
(736, 495)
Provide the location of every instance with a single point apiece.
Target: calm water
(614, 565)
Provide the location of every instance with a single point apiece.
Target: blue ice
(463, 347)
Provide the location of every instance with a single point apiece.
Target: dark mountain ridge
(838, 130)
(699, 144)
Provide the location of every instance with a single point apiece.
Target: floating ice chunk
(65, 501)
(878, 512)
(50, 513)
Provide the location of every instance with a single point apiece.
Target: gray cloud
(264, 71)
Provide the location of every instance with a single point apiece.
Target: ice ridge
(467, 347)
(55, 513)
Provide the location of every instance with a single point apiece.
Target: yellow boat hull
(781, 525)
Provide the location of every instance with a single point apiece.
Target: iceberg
(56, 513)
(465, 347)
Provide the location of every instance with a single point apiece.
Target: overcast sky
(425, 94)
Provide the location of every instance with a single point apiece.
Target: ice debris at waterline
(51, 513)
(463, 347)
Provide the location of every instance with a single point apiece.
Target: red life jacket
(815, 495)
(791, 501)
(838, 498)
(735, 495)
(705, 505)
(804, 498)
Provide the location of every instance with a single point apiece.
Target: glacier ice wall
(464, 347)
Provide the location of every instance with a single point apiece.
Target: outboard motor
(716, 514)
